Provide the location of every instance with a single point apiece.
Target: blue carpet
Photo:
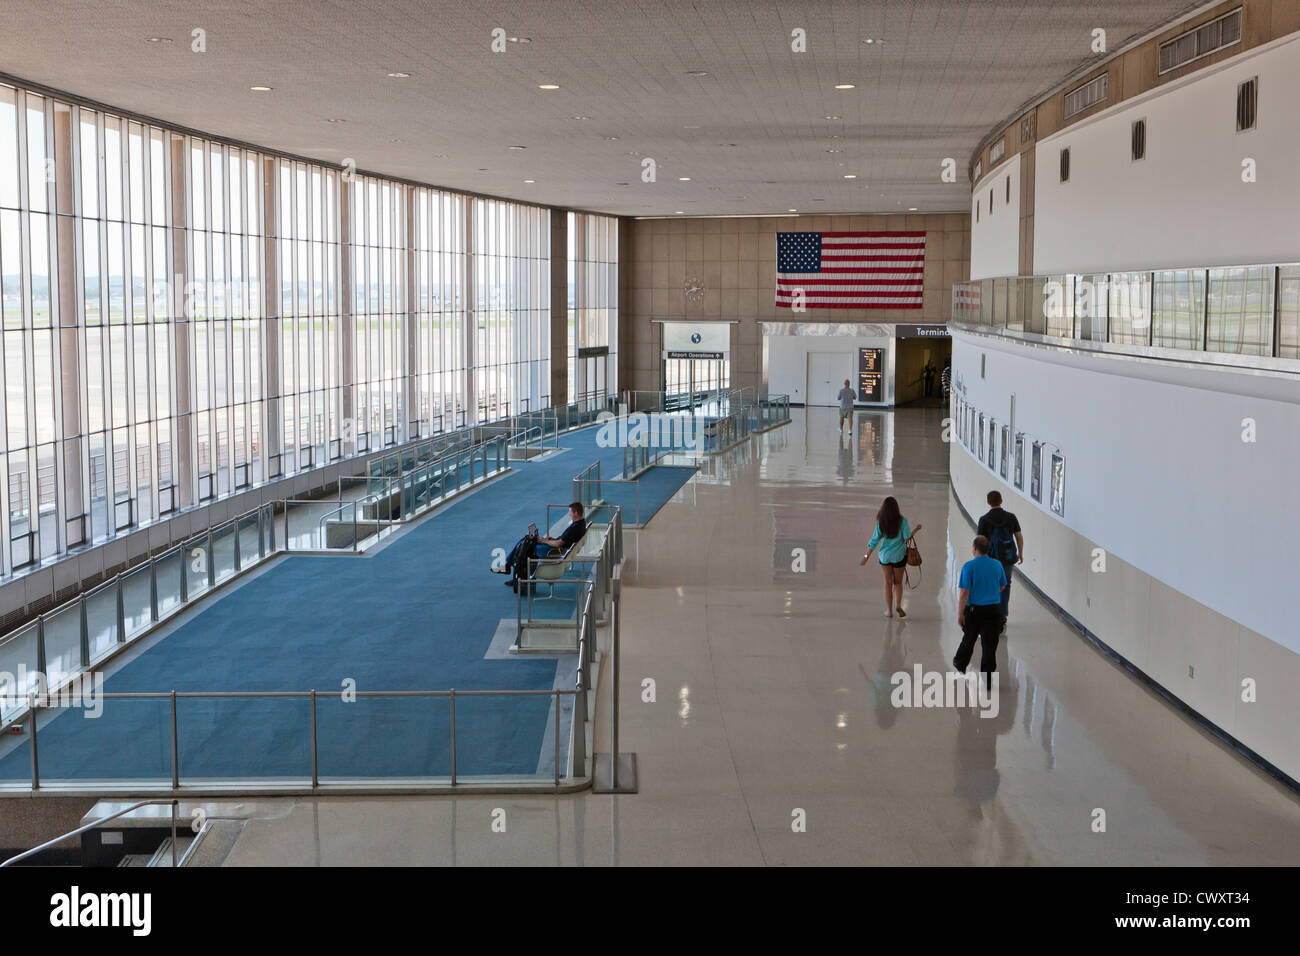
(418, 615)
(652, 491)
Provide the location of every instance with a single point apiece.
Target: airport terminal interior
(730, 432)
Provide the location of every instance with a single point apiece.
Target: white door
(826, 374)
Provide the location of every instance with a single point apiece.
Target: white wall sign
(697, 337)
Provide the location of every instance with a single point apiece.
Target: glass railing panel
(19, 665)
(198, 558)
(1128, 297)
(416, 731)
(101, 621)
(167, 572)
(137, 605)
(99, 741)
(1240, 310)
(223, 551)
(250, 544)
(253, 738)
(63, 643)
(1288, 312)
(1178, 309)
(527, 754)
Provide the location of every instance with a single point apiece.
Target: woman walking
(892, 532)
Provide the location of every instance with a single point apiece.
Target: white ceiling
(940, 75)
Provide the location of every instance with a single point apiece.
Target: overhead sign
(870, 374)
(922, 332)
(712, 339)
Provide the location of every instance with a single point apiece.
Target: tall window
(511, 324)
(440, 263)
(183, 318)
(593, 305)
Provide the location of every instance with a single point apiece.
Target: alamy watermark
(84, 690)
(922, 688)
(649, 430)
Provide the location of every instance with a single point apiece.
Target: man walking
(979, 613)
(847, 397)
(1006, 543)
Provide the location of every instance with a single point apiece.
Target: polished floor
(771, 738)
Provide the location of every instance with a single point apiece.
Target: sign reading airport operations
(869, 374)
(922, 332)
(697, 340)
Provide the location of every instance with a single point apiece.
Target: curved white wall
(995, 239)
(1200, 528)
(1185, 204)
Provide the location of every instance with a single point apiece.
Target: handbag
(913, 561)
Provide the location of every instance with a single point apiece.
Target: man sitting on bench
(532, 545)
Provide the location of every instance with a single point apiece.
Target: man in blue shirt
(979, 612)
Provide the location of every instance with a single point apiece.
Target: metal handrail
(100, 822)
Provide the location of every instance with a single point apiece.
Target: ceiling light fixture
(911, 209)
(869, 40)
(580, 117)
(832, 117)
(850, 176)
(792, 210)
(158, 39)
(683, 179)
(530, 180)
(697, 72)
(548, 86)
(260, 89)
(516, 147)
(680, 213)
(834, 150)
(400, 76)
(611, 139)
(520, 39)
(845, 86)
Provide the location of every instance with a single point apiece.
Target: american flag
(850, 270)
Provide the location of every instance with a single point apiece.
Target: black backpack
(1002, 544)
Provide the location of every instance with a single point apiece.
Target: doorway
(914, 355)
(826, 374)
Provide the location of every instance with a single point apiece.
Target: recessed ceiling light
(158, 39)
(683, 179)
(580, 117)
(260, 89)
(792, 210)
(520, 39)
(697, 72)
(833, 150)
(832, 117)
(850, 176)
(530, 180)
(680, 212)
(869, 40)
(548, 86)
(611, 139)
(845, 86)
(400, 76)
(911, 209)
(516, 147)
